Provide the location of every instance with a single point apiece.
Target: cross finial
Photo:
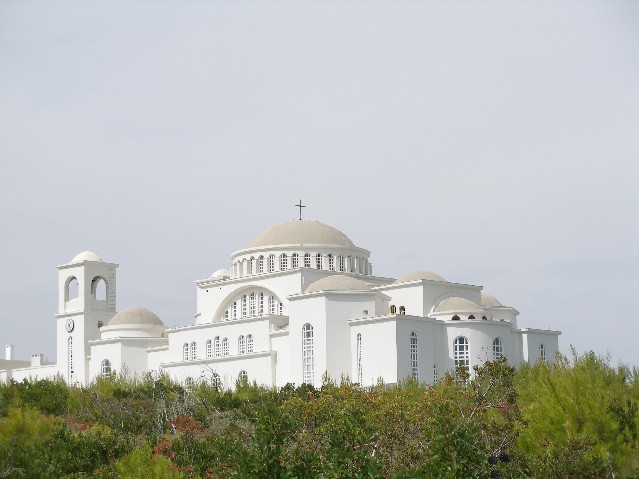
(300, 206)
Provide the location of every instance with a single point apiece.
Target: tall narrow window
(242, 378)
(260, 264)
(414, 364)
(252, 304)
(260, 307)
(271, 305)
(498, 348)
(106, 368)
(241, 345)
(249, 343)
(226, 315)
(209, 348)
(360, 375)
(331, 262)
(281, 309)
(250, 265)
(189, 385)
(307, 260)
(342, 264)
(542, 352)
(193, 351)
(318, 261)
(435, 373)
(244, 306)
(461, 353)
(271, 263)
(283, 262)
(225, 347)
(217, 382)
(308, 367)
(234, 310)
(295, 260)
(185, 352)
(71, 370)
(216, 345)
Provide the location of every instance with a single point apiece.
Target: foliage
(577, 418)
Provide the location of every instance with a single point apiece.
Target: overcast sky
(495, 143)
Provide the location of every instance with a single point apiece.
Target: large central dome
(302, 232)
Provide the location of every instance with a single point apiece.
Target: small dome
(489, 301)
(338, 282)
(418, 275)
(301, 232)
(135, 316)
(221, 273)
(86, 256)
(456, 305)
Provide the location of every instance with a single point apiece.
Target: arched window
(244, 306)
(393, 309)
(318, 261)
(271, 263)
(283, 262)
(100, 324)
(308, 367)
(250, 265)
(99, 288)
(472, 316)
(435, 373)
(360, 375)
(484, 318)
(461, 353)
(185, 352)
(106, 368)
(455, 318)
(307, 260)
(331, 262)
(498, 348)
(217, 383)
(216, 345)
(295, 260)
(402, 310)
(260, 264)
(271, 305)
(225, 347)
(226, 315)
(542, 352)
(193, 351)
(260, 308)
(209, 348)
(234, 310)
(242, 378)
(252, 304)
(351, 264)
(71, 289)
(241, 345)
(249, 343)
(342, 264)
(281, 309)
(70, 370)
(414, 364)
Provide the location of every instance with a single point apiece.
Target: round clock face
(69, 325)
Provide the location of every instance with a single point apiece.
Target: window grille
(308, 368)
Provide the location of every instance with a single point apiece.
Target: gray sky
(495, 143)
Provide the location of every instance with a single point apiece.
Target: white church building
(298, 302)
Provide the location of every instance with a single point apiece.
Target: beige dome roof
(489, 301)
(456, 305)
(418, 275)
(302, 232)
(135, 316)
(221, 273)
(338, 282)
(86, 256)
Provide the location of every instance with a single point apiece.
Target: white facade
(299, 302)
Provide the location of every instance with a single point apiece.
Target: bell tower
(86, 302)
